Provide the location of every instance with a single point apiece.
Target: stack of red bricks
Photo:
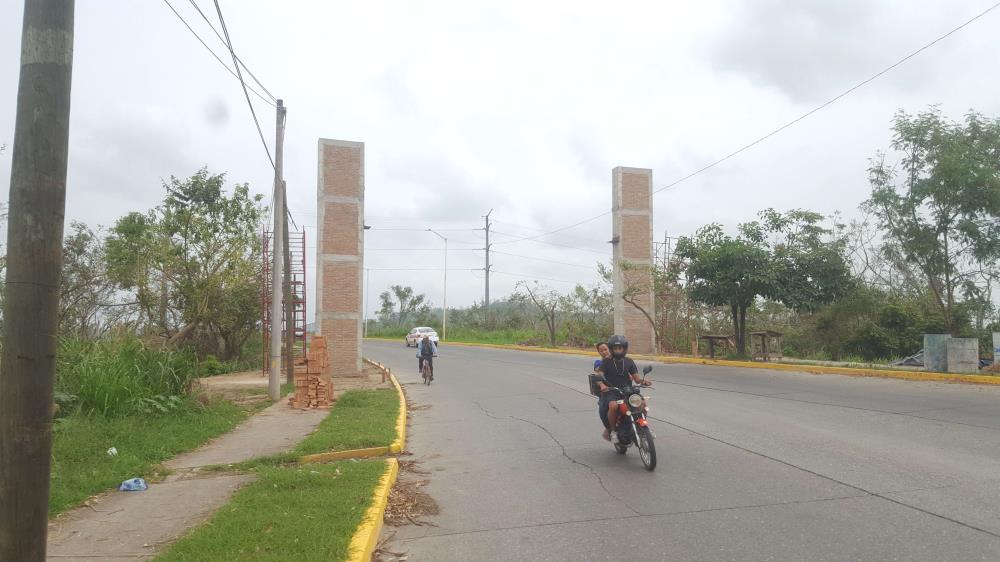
(312, 378)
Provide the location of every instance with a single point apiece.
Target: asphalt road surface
(753, 465)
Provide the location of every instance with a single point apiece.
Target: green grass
(359, 419)
(120, 377)
(81, 466)
(306, 513)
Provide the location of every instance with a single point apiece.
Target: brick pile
(312, 378)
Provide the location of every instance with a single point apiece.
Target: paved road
(754, 465)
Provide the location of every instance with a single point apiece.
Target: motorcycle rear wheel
(647, 450)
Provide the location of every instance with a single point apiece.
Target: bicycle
(426, 372)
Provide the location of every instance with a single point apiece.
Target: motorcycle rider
(605, 353)
(426, 351)
(619, 372)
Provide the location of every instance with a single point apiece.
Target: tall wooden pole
(34, 269)
(277, 271)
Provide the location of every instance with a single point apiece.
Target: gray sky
(523, 107)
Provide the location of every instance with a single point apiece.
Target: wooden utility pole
(34, 269)
(289, 296)
(277, 271)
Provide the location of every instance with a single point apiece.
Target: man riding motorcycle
(620, 372)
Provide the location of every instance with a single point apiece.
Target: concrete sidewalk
(136, 525)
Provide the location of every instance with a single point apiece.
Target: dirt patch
(247, 386)
(371, 378)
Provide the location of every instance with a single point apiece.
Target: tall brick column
(340, 252)
(632, 211)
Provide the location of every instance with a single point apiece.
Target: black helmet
(617, 340)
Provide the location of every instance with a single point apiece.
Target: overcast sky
(519, 106)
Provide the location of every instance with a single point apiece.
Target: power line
(421, 269)
(202, 41)
(534, 277)
(229, 45)
(763, 138)
(543, 260)
(574, 225)
(204, 17)
(546, 242)
(424, 229)
(831, 100)
(422, 250)
(522, 227)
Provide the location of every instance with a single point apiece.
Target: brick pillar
(340, 252)
(632, 211)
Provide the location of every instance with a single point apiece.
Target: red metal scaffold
(297, 270)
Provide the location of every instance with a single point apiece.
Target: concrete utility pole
(444, 312)
(277, 271)
(34, 268)
(289, 295)
(486, 302)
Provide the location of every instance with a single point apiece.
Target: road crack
(562, 447)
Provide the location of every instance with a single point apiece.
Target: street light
(444, 314)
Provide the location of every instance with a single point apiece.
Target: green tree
(787, 258)
(940, 209)
(400, 304)
(194, 261)
(88, 298)
(547, 302)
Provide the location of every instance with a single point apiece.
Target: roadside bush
(210, 366)
(114, 378)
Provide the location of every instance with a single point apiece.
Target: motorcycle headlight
(635, 401)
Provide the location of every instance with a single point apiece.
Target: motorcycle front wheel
(647, 450)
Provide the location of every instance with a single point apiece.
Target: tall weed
(114, 378)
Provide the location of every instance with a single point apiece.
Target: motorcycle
(633, 427)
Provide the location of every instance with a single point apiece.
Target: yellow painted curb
(341, 455)
(799, 368)
(397, 445)
(365, 538)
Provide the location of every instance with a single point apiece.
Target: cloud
(813, 49)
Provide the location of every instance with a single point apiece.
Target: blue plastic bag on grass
(133, 485)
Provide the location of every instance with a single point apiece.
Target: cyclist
(426, 351)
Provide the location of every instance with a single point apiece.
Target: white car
(417, 334)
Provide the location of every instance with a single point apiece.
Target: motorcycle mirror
(647, 369)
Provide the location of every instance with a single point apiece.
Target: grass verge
(81, 466)
(306, 513)
(358, 420)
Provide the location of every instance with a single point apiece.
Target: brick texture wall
(632, 196)
(340, 251)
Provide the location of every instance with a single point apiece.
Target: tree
(400, 304)
(783, 257)
(88, 299)
(193, 262)
(941, 209)
(546, 300)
